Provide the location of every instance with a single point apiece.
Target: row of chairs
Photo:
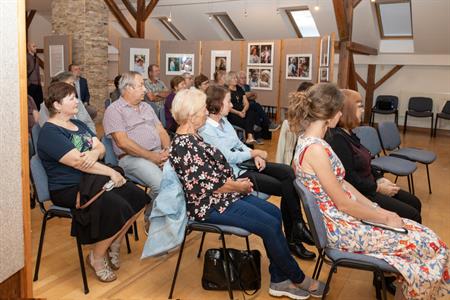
(419, 107)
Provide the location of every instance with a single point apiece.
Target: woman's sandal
(113, 256)
(317, 292)
(105, 274)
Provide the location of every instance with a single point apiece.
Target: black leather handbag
(244, 266)
(248, 165)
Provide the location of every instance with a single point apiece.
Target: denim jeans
(263, 219)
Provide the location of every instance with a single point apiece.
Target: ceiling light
(169, 19)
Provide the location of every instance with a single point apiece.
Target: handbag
(248, 165)
(244, 266)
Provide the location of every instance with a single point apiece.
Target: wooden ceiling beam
(121, 18)
(361, 49)
(388, 75)
(30, 17)
(360, 81)
(149, 8)
(341, 19)
(140, 20)
(130, 8)
(355, 3)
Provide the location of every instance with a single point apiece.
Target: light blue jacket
(168, 218)
(224, 137)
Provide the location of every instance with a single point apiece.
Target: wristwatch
(375, 205)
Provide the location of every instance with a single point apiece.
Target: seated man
(189, 80)
(114, 95)
(139, 140)
(81, 86)
(156, 90)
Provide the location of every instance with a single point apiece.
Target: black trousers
(35, 91)
(247, 123)
(278, 180)
(406, 205)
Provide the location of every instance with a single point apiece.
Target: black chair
(419, 107)
(222, 230)
(385, 105)
(445, 114)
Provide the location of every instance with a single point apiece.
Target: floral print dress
(420, 256)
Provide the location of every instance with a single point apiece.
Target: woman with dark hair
(356, 160)
(219, 77)
(270, 178)
(177, 83)
(201, 82)
(419, 255)
(68, 150)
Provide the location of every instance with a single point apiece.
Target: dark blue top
(53, 143)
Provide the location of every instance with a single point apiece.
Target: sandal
(113, 255)
(317, 292)
(105, 274)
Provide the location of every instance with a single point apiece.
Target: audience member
(156, 90)
(214, 195)
(140, 141)
(81, 86)
(419, 255)
(189, 80)
(201, 82)
(177, 84)
(34, 75)
(82, 113)
(33, 114)
(219, 77)
(114, 95)
(69, 150)
(270, 178)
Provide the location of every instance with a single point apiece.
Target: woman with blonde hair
(419, 255)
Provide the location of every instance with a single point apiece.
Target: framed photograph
(299, 66)
(139, 60)
(178, 64)
(323, 74)
(220, 61)
(260, 78)
(260, 54)
(325, 51)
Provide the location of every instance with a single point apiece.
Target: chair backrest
(420, 104)
(159, 111)
(40, 179)
(313, 215)
(369, 138)
(240, 133)
(386, 102)
(107, 103)
(35, 130)
(110, 156)
(389, 135)
(446, 108)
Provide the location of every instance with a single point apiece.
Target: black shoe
(301, 234)
(301, 252)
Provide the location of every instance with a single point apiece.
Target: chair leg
(135, 229)
(371, 119)
(396, 118)
(396, 178)
(377, 284)
(383, 285)
(201, 245)
(412, 185)
(327, 285)
(83, 269)
(428, 177)
(247, 243)
(227, 267)
(435, 125)
(178, 265)
(431, 129)
(315, 274)
(409, 184)
(41, 244)
(320, 268)
(127, 240)
(406, 120)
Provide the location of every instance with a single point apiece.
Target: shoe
(259, 141)
(257, 128)
(146, 226)
(287, 289)
(301, 234)
(105, 274)
(113, 254)
(301, 252)
(274, 126)
(317, 292)
(250, 141)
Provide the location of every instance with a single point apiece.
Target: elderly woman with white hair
(214, 195)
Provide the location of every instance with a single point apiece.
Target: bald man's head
(31, 46)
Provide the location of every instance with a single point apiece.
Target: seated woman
(270, 178)
(201, 82)
(214, 195)
(68, 149)
(219, 77)
(419, 255)
(356, 160)
(240, 115)
(177, 83)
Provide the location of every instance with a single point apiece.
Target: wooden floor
(60, 276)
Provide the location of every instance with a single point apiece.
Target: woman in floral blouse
(214, 195)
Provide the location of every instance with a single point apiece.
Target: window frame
(380, 22)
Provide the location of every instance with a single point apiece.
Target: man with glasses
(140, 141)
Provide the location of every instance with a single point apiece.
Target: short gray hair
(186, 104)
(63, 77)
(229, 76)
(127, 79)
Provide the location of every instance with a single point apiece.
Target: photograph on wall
(325, 51)
(220, 61)
(299, 66)
(56, 55)
(139, 60)
(323, 74)
(178, 64)
(260, 54)
(260, 78)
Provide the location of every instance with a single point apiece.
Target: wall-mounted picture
(220, 61)
(323, 74)
(325, 51)
(139, 60)
(260, 78)
(299, 66)
(260, 54)
(178, 64)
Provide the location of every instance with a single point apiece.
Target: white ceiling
(431, 20)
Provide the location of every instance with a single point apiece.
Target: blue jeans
(263, 219)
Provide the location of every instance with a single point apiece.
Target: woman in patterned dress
(420, 256)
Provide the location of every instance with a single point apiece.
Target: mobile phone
(109, 186)
(384, 226)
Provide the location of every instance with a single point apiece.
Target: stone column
(87, 22)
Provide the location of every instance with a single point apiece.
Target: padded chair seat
(60, 211)
(260, 195)
(420, 114)
(394, 165)
(443, 115)
(225, 228)
(422, 156)
(383, 111)
(335, 254)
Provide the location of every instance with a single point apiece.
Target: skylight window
(171, 27)
(394, 19)
(303, 22)
(228, 26)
